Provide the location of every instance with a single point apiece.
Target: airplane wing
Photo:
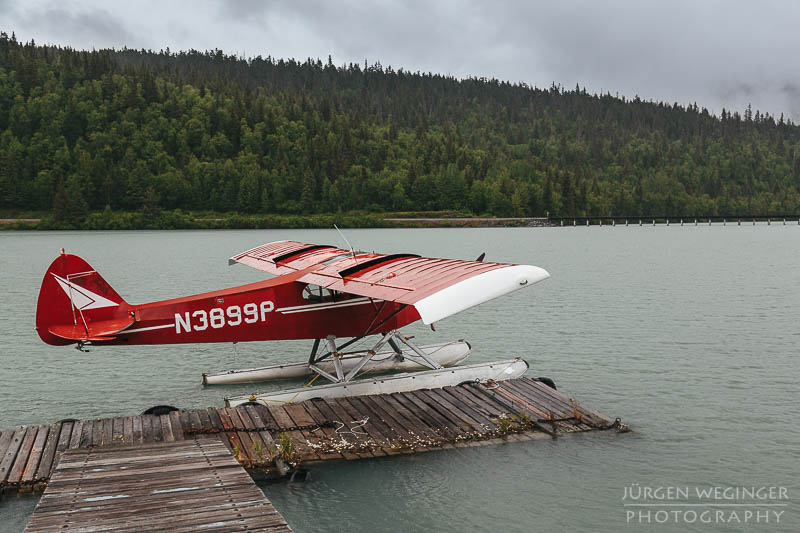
(437, 288)
(284, 257)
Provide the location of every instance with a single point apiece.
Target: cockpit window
(315, 293)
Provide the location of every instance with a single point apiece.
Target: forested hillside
(144, 131)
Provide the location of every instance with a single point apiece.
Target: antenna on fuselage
(348, 243)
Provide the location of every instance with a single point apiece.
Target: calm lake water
(689, 334)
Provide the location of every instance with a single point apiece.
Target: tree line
(143, 131)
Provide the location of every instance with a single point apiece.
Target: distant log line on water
(667, 220)
(596, 220)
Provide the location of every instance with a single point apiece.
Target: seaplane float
(319, 293)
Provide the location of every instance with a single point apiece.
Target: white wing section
(477, 290)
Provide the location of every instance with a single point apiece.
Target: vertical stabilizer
(77, 305)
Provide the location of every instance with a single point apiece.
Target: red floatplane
(321, 293)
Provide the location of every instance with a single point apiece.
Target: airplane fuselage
(267, 310)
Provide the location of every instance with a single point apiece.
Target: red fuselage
(275, 309)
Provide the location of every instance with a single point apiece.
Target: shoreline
(176, 220)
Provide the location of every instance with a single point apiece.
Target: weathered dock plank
(213, 415)
(343, 444)
(269, 422)
(108, 431)
(187, 485)
(318, 430)
(248, 452)
(194, 421)
(257, 414)
(166, 428)
(352, 429)
(49, 451)
(288, 426)
(147, 428)
(15, 474)
(177, 427)
(399, 433)
(457, 396)
(97, 433)
(327, 432)
(5, 441)
(85, 439)
(29, 474)
(567, 415)
(117, 431)
(431, 416)
(454, 416)
(10, 456)
(71, 431)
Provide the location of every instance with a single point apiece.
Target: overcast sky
(716, 53)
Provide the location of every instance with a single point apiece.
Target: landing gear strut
(335, 354)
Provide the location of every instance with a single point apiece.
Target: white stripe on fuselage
(323, 306)
(151, 328)
(285, 310)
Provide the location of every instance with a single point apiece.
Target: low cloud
(717, 53)
(72, 24)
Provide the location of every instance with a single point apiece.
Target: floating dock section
(192, 485)
(272, 439)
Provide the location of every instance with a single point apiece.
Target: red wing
(283, 257)
(437, 288)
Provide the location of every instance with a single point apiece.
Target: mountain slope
(205, 131)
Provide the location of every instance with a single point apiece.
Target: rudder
(77, 305)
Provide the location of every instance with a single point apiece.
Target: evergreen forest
(88, 134)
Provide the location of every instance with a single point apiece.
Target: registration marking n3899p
(218, 317)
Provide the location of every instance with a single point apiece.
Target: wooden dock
(180, 486)
(271, 439)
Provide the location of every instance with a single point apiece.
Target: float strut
(398, 352)
(370, 353)
(322, 373)
(427, 360)
(312, 358)
(337, 358)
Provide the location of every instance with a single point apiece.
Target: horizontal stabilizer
(97, 331)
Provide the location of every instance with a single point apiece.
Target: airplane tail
(77, 305)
